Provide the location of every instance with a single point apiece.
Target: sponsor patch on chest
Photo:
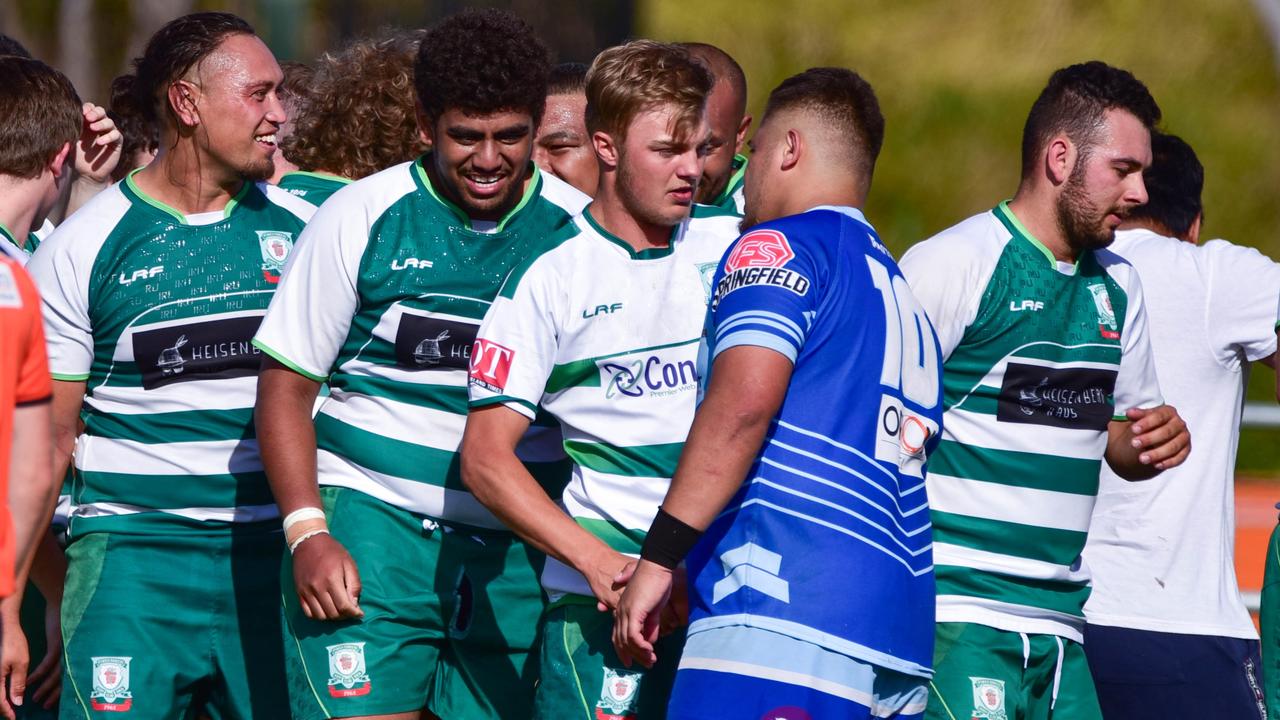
(1077, 398)
(208, 350)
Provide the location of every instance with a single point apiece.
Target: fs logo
(760, 248)
(490, 365)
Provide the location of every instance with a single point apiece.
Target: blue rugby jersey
(829, 539)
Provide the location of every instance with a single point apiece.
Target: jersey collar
(133, 192)
(10, 244)
(735, 180)
(1017, 229)
(318, 176)
(647, 253)
(532, 190)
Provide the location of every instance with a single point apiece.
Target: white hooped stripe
(1009, 503)
(219, 457)
(985, 431)
(414, 424)
(1009, 617)
(960, 556)
(224, 394)
(241, 514)
(423, 498)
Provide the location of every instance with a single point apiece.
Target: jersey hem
(1171, 627)
(507, 401)
(1010, 623)
(279, 357)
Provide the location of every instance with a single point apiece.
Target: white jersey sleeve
(310, 314)
(516, 347)
(62, 268)
(1137, 385)
(948, 274)
(1243, 299)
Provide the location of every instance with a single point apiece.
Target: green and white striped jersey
(606, 340)
(155, 311)
(315, 188)
(383, 299)
(1039, 357)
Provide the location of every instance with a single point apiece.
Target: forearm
(1123, 457)
(287, 437)
(502, 484)
(32, 491)
(49, 569)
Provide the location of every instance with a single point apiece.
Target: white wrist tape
(304, 537)
(306, 513)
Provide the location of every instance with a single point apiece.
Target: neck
(608, 210)
(1038, 214)
(19, 207)
(816, 189)
(180, 178)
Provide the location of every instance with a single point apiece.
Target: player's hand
(675, 614)
(1160, 435)
(44, 684)
(602, 574)
(97, 152)
(636, 622)
(14, 658)
(326, 579)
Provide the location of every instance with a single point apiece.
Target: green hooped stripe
(176, 491)
(162, 523)
(637, 461)
(430, 466)
(1018, 469)
(1063, 597)
(1060, 547)
(161, 428)
(614, 535)
(446, 398)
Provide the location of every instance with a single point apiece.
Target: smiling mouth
(485, 184)
(268, 140)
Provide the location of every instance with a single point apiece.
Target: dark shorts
(1144, 674)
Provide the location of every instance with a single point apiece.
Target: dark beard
(259, 173)
(1079, 219)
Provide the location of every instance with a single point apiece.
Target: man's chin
(259, 172)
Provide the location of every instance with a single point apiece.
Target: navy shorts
(1144, 674)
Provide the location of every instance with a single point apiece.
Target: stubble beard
(633, 200)
(1078, 218)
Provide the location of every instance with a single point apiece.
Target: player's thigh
(494, 608)
(136, 626)
(582, 677)
(386, 661)
(977, 672)
(740, 672)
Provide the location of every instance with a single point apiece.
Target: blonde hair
(641, 75)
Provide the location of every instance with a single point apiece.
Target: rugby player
(359, 117)
(562, 146)
(1168, 634)
(294, 95)
(152, 293)
(140, 138)
(602, 331)
(806, 454)
(721, 184)
(404, 592)
(1048, 372)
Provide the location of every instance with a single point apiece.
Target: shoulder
(1119, 269)
(562, 194)
(969, 249)
(282, 198)
(717, 228)
(367, 199)
(84, 233)
(17, 291)
(548, 260)
(1224, 252)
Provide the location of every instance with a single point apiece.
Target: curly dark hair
(1075, 102)
(173, 50)
(482, 61)
(358, 115)
(139, 133)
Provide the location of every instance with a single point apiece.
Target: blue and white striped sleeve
(764, 295)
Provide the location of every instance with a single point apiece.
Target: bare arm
(324, 575)
(1150, 441)
(748, 385)
(493, 473)
(32, 491)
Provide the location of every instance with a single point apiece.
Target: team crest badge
(1106, 314)
(708, 272)
(276, 246)
(347, 674)
(988, 699)
(111, 684)
(619, 695)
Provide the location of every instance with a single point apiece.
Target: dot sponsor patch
(490, 365)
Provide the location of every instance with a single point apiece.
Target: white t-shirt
(1162, 550)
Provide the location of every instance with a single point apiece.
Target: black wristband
(668, 541)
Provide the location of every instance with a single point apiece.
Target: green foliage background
(956, 79)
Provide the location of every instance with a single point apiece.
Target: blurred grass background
(955, 80)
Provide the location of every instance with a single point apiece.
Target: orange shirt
(24, 378)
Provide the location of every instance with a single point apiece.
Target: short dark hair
(482, 61)
(39, 113)
(1075, 102)
(359, 115)
(175, 49)
(1174, 183)
(723, 67)
(9, 46)
(139, 133)
(843, 99)
(567, 79)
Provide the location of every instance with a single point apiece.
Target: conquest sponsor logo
(752, 276)
(209, 350)
(651, 375)
(1080, 398)
(426, 343)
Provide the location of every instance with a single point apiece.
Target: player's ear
(742, 133)
(58, 163)
(793, 146)
(606, 150)
(1193, 232)
(182, 98)
(425, 129)
(1060, 158)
